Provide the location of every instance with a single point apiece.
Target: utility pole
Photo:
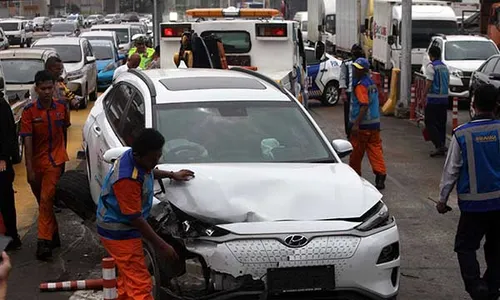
(358, 5)
(405, 88)
(156, 22)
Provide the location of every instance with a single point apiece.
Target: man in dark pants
(436, 110)
(9, 155)
(473, 164)
(346, 83)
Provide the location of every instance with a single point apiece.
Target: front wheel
(331, 94)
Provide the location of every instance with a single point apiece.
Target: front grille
(467, 74)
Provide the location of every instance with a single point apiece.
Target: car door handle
(324, 70)
(97, 130)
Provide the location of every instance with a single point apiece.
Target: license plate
(300, 279)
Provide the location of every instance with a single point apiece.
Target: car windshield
(91, 17)
(63, 27)
(98, 38)
(39, 19)
(423, 31)
(67, 53)
(469, 50)
(21, 71)
(72, 18)
(122, 34)
(110, 16)
(102, 51)
(241, 132)
(9, 26)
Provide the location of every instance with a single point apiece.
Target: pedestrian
(346, 82)
(436, 109)
(9, 155)
(123, 209)
(145, 53)
(155, 63)
(133, 62)
(473, 164)
(43, 124)
(364, 123)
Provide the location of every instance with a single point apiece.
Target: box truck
(349, 25)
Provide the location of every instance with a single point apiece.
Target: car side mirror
(391, 40)
(495, 76)
(113, 154)
(342, 147)
(90, 59)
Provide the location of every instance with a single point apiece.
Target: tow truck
(251, 38)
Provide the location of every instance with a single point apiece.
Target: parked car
(76, 19)
(79, 61)
(463, 54)
(124, 32)
(130, 17)
(112, 19)
(323, 77)
(18, 69)
(248, 222)
(102, 36)
(93, 20)
(108, 60)
(64, 29)
(42, 23)
(4, 41)
(16, 32)
(488, 73)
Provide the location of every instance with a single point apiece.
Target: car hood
(235, 193)
(465, 65)
(101, 64)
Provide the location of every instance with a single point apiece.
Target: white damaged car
(273, 211)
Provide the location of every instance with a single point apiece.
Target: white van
(301, 17)
(16, 32)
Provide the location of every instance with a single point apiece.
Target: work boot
(15, 244)
(43, 250)
(380, 182)
(441, 151)
(56, 240)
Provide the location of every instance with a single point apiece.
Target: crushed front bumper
(357, 262)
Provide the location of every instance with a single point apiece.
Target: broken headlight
(195, 228)
(377, 216)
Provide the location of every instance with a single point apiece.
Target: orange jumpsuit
(367, 139)
(46, 127)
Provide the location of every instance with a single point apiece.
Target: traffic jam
(218, 152)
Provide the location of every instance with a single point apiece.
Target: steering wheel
(186, 152)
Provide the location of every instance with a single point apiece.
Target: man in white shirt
(132, 63)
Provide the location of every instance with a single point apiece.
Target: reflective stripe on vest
(479, 140)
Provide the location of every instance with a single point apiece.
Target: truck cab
(250, 39)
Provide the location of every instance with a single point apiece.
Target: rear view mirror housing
(391, 40)
(113, 154)
(342, 147)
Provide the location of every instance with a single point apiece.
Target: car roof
(106, 42)
(98, 33)
(466, 38)
(59, 41)
(12, 21)
(27, 53)
(209, 85)
(109, 26)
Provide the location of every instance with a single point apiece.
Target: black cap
(356, 47)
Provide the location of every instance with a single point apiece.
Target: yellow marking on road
(27, 208)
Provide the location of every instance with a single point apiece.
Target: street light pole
(156, 22)
(405, 88)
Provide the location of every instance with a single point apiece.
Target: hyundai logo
(296, 241)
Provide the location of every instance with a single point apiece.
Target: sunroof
(212, 82)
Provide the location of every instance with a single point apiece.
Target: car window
(233, 41)
(244, 132)
(115, 105)
(68, 53)
(135, 30)
(470, 50)
(134, 120)
(10, 26)
(21, 71)
(311, 58)
(490, 66)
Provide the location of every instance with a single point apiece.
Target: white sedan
(273, 210)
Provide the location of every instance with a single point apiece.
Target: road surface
(429, 267)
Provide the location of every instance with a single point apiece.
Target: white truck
(330, 25)
(348, 25)
(321, 23)
(428, 19)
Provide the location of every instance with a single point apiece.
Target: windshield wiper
(322, 161)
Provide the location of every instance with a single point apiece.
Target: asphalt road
(429, 267)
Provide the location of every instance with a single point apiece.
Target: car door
(313, 69)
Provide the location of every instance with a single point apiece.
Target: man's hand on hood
(183, 175)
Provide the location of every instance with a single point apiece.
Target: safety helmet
(140, 39)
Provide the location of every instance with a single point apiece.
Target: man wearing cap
(144, 52)
(364, 123)
(346, 82)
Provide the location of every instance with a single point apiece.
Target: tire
(331, 94)
(152, 263)
(85, 102)
(93, 95)
(74, 191)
